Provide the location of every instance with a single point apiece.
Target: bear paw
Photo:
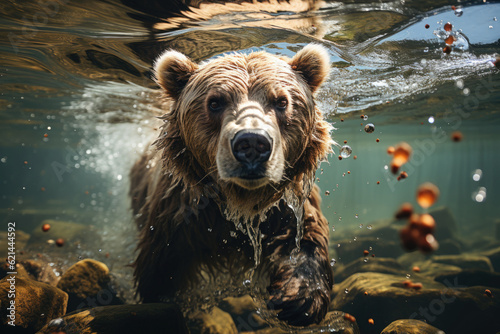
(300, 292)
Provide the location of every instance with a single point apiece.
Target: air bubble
(459, 12)
(332, 262)
(346, 291)
(369, 128)
(480, 195)
(345, 151)
(476, 176)
(365, 117)
(369, 227)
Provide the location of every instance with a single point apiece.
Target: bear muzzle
(252, 148)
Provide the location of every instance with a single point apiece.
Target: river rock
(449, 307)
(352, 249)
(121, 319)
(471, 277)
(494, 256)
(376, 264)
(214, 322)
(36, 303)
(465, 261)
(410, 326)
(88, 284)
(41, 271)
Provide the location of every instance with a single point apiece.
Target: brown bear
(228, 186)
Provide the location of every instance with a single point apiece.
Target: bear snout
(252, 148)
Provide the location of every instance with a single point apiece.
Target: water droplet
(408, 276)
(355, 239)
(369, 128)
(365, 117)
(365, 260)
(369, 227)
(431, 119)
(333, 228)
(459, 83)
(494, 19)
(346, 290)
(209, 229)
(345, 151)
(459, 12)
(426, 49)
(357, 216)
(466, 91)
(327, 193)
(340, 219)
(246, 283)
(370, 248)
(332, 262)
(491, 27)
(232, 234)
(476, 176)
(151, 228)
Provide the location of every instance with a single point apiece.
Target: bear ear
(172, 72)
(313, 64)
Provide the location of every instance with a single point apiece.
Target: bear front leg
(301, 283)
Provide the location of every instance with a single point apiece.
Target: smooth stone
(375, 264)
(410, 326)
(465, 261)
(88, 284)
(36, 303)
(121, 319)
(449, 307)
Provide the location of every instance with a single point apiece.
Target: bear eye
(215, 104)
(281, 104)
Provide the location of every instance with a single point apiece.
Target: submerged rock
(410, 326)
(121, 319)
(465, 261)
(36, 303)
(472, 277)
(447, 306)
(88, 284)
(494, 256)
(376, 264)
(214, 322)
(352, 249)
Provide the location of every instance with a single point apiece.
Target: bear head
(245, 124)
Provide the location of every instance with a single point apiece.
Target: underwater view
(408, 190)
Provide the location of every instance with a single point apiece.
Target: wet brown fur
(179, 199)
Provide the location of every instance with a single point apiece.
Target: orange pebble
(407, 283)
(349, 317)
(427, 26)
(448, 26)
(453, 8)
(426, 223)
(427, 243)
(365, 252)
(25, 162)
(417, 286)
(409, 237)
(348, 172)
(45, 135)
(457, 136)
(405, 211)
(60, 242)
(488, 293)
(416, 269)
(402, 175)
(42, 188)
(341, 119)
(340, 157)
(427, 194)
(366, 293)
(390, 150)
(378, 182)
(45, 227)
(401, 154)
(447, 49)
(371, 322)
(345, 141)
(377, 140)
(355, 157)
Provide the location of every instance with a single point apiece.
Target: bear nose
(251, 147)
